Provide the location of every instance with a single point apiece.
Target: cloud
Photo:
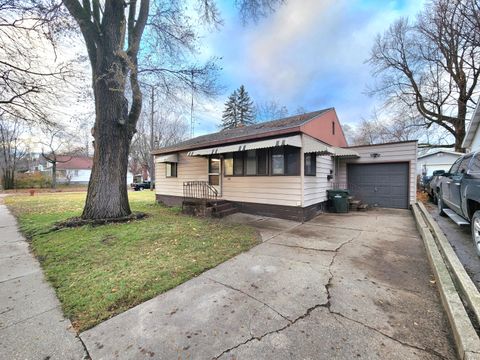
(309, 53)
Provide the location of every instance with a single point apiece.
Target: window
(454, 168)
(171, 169)
(262, 162)
(462, 169)
(278, 161)
(238, 163)
(286, 161)
(310, 164)
(214, 170)
(251, 162)
(228, 164)
(292, 161)
(333, 127)
(75, 173)
(475, 167)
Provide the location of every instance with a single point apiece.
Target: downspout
(302, 173)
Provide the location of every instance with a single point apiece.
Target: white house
(76, 170)
(283, 168)
(436, 160)
(471, 142)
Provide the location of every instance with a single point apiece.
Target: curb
(465, 336)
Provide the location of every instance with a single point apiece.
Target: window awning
(171, 158)
(312, 145)
(295, 140)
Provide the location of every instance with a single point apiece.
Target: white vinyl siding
(399, 152)
(315, 187)
(189, 168)
(274, 190)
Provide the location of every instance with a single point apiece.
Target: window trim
(171, 168)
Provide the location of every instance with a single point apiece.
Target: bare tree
(12, 148)
(27, 79)
(113, 33)
(270, 110)
(430, 65)
(59, 149)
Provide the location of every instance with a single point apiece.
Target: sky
(309, 54)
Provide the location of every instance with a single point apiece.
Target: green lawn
(102, 271)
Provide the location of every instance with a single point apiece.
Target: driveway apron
(347, 286)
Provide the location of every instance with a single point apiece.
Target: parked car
(432, 186)
(141, 186)
(458, 194)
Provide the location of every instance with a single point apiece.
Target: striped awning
(171, 158)
(294, 140)
(311, 145)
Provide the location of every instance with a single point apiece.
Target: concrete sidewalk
(32, 325)
(338, 287)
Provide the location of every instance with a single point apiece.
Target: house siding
(272, 190)
(189, 169)
(395, 152)
(315, 187)
(438, 161)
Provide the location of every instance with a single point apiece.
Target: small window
(262, 162)
(228, 164)
(333, 127)
(278, 161)
(251, 162)
(310, 164)
(238, 163)
(171, 169)
(214, 165)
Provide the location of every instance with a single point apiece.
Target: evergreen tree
(246, 113)
(239, 110)
(230, 114)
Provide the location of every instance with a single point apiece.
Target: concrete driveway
(338, 287)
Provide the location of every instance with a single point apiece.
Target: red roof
(74, 162)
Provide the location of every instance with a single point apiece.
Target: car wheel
(440, 205)
(476, 231)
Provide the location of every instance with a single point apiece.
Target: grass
(101, 271)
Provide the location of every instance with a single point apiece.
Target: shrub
(32, 180)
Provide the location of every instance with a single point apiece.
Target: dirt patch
(77, 221)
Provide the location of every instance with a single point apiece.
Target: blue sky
(310, 54)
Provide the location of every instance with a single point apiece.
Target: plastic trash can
(339, 199)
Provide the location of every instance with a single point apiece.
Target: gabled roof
(74, 163)
(437, 151)
(286, 125)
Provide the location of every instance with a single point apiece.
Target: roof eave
(296, 129)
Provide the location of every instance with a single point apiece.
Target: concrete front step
(225, 212)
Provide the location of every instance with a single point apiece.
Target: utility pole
(152, 144)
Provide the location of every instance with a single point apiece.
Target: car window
(454, 168)
(462, 169)
(475, 166)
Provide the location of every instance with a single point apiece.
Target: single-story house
(471, 141)
(283, 168)
(75, 170)
(436, 160)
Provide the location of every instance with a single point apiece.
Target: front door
(214, 173)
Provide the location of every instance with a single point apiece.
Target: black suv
(141, 186)
(458, 194)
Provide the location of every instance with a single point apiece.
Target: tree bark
(54, 175)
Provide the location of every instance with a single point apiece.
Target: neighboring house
(471, 142)
(436, 160)
(284, 167)
(75, 170)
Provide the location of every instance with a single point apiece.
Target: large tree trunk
(54, 175)
(107, 195)
(460, 125)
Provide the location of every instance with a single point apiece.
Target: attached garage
(384, 175)
(382, 185)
